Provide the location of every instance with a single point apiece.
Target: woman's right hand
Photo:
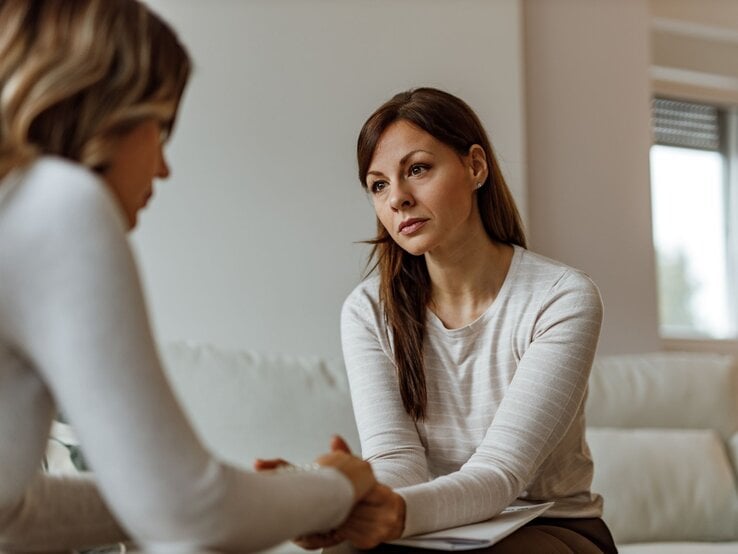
(340, 458)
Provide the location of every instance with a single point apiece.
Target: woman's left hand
(379, 517)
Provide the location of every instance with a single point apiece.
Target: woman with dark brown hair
(89, 91)
(468, 355)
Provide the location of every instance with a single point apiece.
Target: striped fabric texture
(506, 393)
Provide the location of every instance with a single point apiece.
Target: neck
(466, 278)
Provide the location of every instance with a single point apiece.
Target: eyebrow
(402, 161)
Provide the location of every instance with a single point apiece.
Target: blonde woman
(89, 91)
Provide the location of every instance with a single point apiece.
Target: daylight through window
(690, 193)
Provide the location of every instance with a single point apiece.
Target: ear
(477, 161)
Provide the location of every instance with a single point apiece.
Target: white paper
(478, 535)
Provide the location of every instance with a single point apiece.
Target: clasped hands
(378, 514)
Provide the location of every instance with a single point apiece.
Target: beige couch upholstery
(663, 429)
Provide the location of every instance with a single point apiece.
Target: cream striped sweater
(506, 395)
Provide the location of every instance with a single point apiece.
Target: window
(692, 222)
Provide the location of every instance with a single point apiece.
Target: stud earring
(479, 185)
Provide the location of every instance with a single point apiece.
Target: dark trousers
(543, 535)
(559, 536)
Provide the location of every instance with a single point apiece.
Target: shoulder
(59, 215)
(365, 294)
(550, 275)
(556, 285)
(565, 296)
(363, 302)
(62, 239)
(58, 170)
(56, 196)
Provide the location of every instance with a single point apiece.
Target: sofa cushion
(246, 405)
(665, 485)
(63, 453)
(665, 389)
(680, 548)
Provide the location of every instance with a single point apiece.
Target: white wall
(588, 127)
(694, 57)
(251, 242)
(712, 13)
(694, 50)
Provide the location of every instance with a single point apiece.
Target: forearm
(275, 506)
(457, 499)
(398, 469)
(389, 437)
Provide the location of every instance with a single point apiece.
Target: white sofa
(663, 429)
(663, 432)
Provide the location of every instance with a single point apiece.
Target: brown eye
(417, 169)
(378, 186)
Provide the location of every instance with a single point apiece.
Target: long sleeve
(389, 438)
(505, 398)
(74, 312)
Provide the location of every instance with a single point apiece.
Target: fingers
(273, 463)
(365, 532)
(319, 540)
(379, 517)
(362, 536)
(378, 495)
(338, 444)
(355, 469)
(363, 515)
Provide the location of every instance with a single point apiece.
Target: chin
(417, 245)
(414, 249)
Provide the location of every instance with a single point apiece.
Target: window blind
(688, 124)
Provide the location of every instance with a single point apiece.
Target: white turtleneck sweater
(74, 335)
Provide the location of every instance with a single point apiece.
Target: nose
(401, 198)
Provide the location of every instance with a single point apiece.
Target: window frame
(727, 117)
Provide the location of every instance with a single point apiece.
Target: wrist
(400, 511)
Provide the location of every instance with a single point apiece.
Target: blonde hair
(75, 74)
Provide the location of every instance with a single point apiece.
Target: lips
(410, 226)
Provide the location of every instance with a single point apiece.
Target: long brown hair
(74, 74)
(404, 288)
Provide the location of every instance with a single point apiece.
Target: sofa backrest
(665, 389)
(247, 405)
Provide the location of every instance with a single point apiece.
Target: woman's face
(423, 191)
(138, 158)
